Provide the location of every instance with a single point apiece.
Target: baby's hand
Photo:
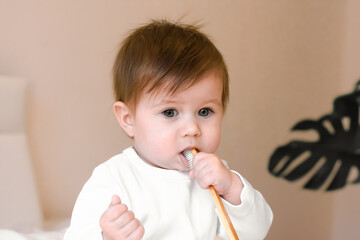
(208, 169)
(118, 223)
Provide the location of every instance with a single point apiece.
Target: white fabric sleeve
(93, 200)
(252, 218)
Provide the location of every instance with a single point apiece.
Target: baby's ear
(124, 117)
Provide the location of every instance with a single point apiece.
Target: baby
(171, 89)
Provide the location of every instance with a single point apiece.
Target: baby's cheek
(213, 142)
(163, 142)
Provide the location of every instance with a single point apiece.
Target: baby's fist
(118, 223)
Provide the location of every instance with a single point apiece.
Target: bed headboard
(19, 202)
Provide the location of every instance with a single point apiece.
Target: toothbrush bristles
(189, 156)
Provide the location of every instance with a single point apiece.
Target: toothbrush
(189, 155)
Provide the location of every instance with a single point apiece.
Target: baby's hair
(165, 54)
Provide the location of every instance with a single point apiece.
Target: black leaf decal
(337, 149)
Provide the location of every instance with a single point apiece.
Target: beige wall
(287, 61)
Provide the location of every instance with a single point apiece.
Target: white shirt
(168, 203)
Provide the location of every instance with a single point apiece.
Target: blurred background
(287, 61)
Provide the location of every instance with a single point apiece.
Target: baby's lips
(194, 150)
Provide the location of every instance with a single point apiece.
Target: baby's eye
(170, 113)
(204, 112)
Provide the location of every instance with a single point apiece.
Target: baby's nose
(191, 129)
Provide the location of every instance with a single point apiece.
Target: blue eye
(170, 113)
(204, 112)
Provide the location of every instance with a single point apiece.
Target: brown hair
(165, 54)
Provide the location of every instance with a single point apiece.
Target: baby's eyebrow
(214, 101)
(158, 101)
(165, 101)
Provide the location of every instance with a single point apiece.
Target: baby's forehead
(168, 89)
(212, 91)
(161, 94)
(171, 86)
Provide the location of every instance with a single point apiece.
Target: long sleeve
(92, 201)
(252, 218)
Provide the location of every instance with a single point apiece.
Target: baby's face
(164, 126)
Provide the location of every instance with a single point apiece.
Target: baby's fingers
(138, 233)
(115, 200)
(133, 230)
(112, 213)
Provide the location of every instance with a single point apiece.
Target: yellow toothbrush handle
(223, 214)
(225, 219)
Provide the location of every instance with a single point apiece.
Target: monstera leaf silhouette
(337, 150)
